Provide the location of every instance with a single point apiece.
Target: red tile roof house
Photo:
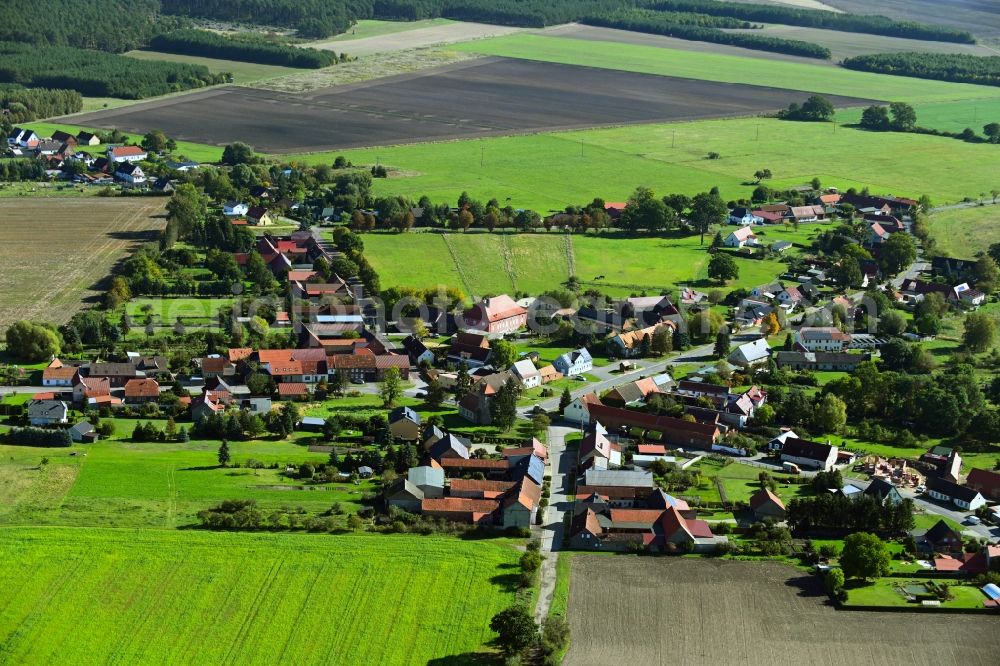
(673, 431)
(766, 504)
(57, 374)
(985, 482)
(496, 316)
(597, 527)
(141, 390)
(91, 387)
(127, 154)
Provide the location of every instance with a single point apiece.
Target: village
(660, 424)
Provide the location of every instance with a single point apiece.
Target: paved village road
(553, 521)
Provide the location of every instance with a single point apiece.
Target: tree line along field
(688, 611)
(153, 596)
(55, 252)
(481, 263)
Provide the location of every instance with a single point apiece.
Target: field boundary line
(570, 255)
(458, 264)
(507, 252)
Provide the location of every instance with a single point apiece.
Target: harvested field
(980, 17)
(440, 33)
(643, 610)
(492, 96)
(54, 252)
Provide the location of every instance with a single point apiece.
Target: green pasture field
(951, 116)
(484, 263)
(161, 597)
(726, 68)
(118, 483)
(964, 232)
(243, 72)
(375, 28)
(198, 152)
(548, 171)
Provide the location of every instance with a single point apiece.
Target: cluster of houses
(814, 348)
(63, 150)
(454, 483)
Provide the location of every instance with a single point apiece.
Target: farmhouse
(634, 392)
(417, 350)
(141, 390)
(525, 372)
(814, 361)
(985, 482)
(752, 312)
(404, 423)
(630, 344)
(751, 353)
(741, 237)
(596, 450)
(938, 539)
(597, 526)
(822, 339)
(470, 348)
(126, 154)
(259, 216)
(234, 209)
(963, 497)
(764, 504)
(808, 213)
(883, 491)
(811, 455)
(57, 374)
(496, 316)
(670, 430)
(130, 173)
(574, 363)
(47, 412)
(22, 138)
(578, 411)
(744, 217)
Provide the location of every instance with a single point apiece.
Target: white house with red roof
(126, 154)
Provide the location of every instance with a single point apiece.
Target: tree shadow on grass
(468, 659)
(509, 582)
(807, 586)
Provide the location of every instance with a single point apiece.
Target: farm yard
(628, 609)
(55, 251)
(499, 96)
(496, 263)
(149, 596)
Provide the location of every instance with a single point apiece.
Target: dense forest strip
(214, 45)
(98, 74)
(311, 18)
(104, 25)
(20, 105)
(663, 24)
(814, 18)
(956, 67)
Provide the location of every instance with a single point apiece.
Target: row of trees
(98, 74)
(700, 27)
(245, 49)
(312, 18)
(829, 511)
(958, 67)
(812, 18)
(38, 437)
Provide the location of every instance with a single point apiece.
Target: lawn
(884, 593)
(548, 171)
(726, 68)
(151, 596)
(964, 232)
(482, 263)
(243, 72)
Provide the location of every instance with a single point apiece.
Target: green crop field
(964, 232)
(482, 263)
(87, 596)
(549, 171)
(243, 72)
(726, 68)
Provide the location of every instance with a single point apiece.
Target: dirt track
(681, 612)
(489, 96)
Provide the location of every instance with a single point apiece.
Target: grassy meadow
(162, 597)
(243, 72)
(549, 171)
(726, 68)
(964, 232)
(484, 263)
